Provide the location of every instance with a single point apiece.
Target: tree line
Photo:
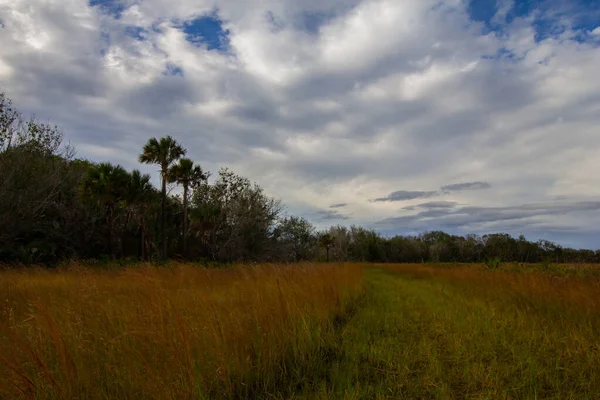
(55, 206)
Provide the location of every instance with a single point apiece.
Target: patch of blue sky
(110, 7)
(135, 32)
(483, 11)
(207, 31)
(504, 54)
(550, 18)
(105, 40)
(173, 70)
(313, 21)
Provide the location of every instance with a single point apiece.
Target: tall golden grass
(168, 333)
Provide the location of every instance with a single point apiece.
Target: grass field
(301, 331)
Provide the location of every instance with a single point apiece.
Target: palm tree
(139, 192)
(105, 185)
(163, 152)
(327, 241)
(187, 175)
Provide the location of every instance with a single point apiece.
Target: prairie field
(347, 331)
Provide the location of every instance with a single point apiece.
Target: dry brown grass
(169, 333)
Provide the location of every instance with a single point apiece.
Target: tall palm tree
(164, 152)
(105, 186)
(327, 241)
(187, 175)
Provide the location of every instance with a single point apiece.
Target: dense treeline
(54, 206)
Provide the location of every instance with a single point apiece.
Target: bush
(493, 263)
(545, 264)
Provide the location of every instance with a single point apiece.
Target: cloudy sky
(400, 115)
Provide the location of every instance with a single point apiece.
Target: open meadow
(348, 331)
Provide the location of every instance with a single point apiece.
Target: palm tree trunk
(185, 219)
(124, 234)
(143, 245)
(163, 217)
(109, 223)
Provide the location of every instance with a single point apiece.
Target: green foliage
(326, 241)
(545, 264)
(296, 238)
(233, 219)
(163, 152)
(493, 262)
(189, 176)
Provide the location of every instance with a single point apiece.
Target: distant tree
(366, 245)
(164, 152)
(189, 176)
(29, 135)
(296, 237)
(105, 185)
(233, 218)
(341, 237)
(326, 241)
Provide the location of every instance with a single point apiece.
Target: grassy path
(422, 337)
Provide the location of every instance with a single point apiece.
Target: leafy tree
(164, 152)
(233, 218)
(341, 238)
(189, 176)
(105, 185)
(296, 237)
(39, 212)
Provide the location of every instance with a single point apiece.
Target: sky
(399, 115)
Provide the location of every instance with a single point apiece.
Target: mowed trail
(424, 336)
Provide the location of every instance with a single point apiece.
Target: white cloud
(383, 96)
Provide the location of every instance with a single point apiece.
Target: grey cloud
(432, 205)
(331, 215)
(162, 98)
(402, 195)
(456, 187)
(338, 205)
(433, 213)
(473, 215)
(255, 112)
